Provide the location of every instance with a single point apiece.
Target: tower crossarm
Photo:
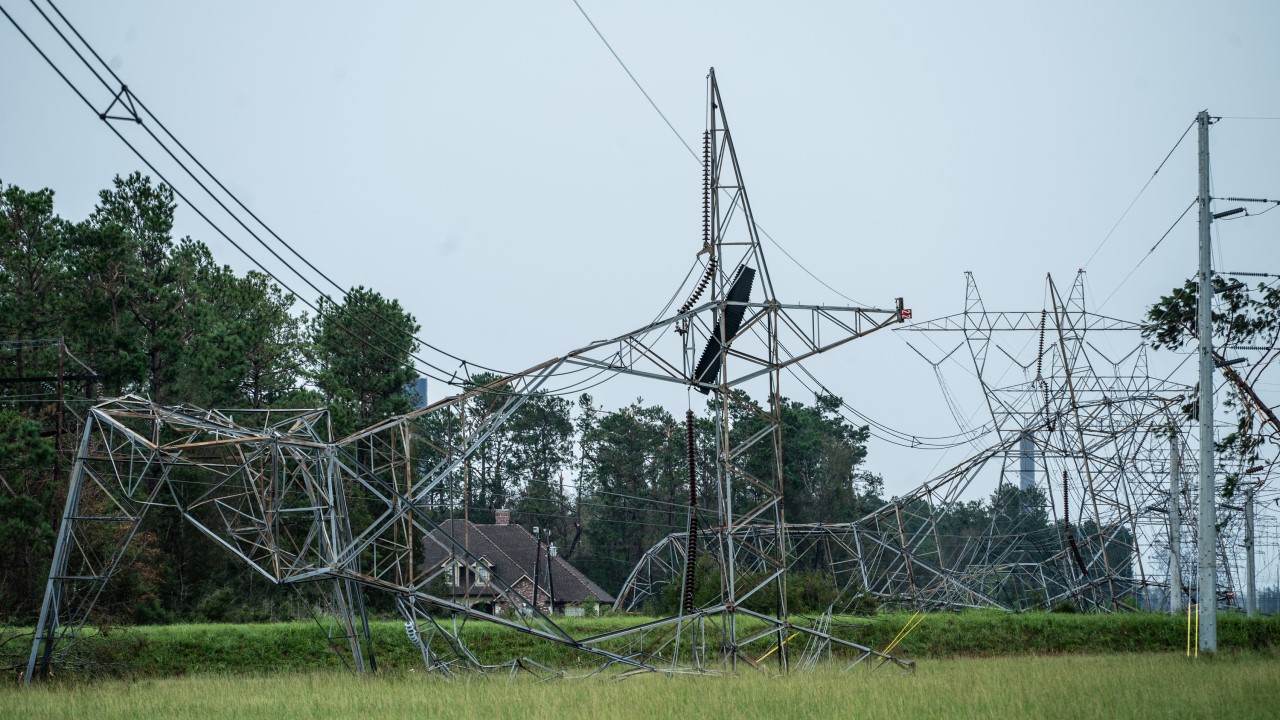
(1027, 321)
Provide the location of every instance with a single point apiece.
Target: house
(509, 555)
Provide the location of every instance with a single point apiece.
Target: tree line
(157, 315)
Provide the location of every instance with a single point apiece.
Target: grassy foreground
(1113, 686)
(172, 650)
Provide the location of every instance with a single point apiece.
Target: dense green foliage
(1243, 317)
(634, 473)
(361, 350)
(155, 315)
(26, 531)
(808, 592)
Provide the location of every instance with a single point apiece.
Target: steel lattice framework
(277, 493)
(1095, 434)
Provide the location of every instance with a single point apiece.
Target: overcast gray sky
(490, 164)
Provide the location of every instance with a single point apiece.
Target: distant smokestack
(502, 517)
(1027, 458)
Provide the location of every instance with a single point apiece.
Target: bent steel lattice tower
(275, 491)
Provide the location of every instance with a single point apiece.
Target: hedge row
(171, 650)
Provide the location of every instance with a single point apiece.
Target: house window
(464, 575)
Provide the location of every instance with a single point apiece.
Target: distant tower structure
(1027, 460)
(417, 392)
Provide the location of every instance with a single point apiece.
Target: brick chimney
(502, 517)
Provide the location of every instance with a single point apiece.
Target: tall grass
(1116, 686)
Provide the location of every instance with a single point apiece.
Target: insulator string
(691, 547)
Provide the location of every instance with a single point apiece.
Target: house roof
(512, 551)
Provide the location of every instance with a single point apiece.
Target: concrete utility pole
(1207, 539)
(1251, 585)
(1175, 527)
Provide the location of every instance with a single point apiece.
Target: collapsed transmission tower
(277, 493)
(1091, 429)
(1082, 448)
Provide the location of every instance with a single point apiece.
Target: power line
(444, 376)
(133, 98)
(1149, 252)
(802, 267)
(1139, 195)
(892, 436)
(192, 205)
(904, 439)
(639, 87)
(694, 155)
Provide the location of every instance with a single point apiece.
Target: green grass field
(1232, 685)
(163, 651)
